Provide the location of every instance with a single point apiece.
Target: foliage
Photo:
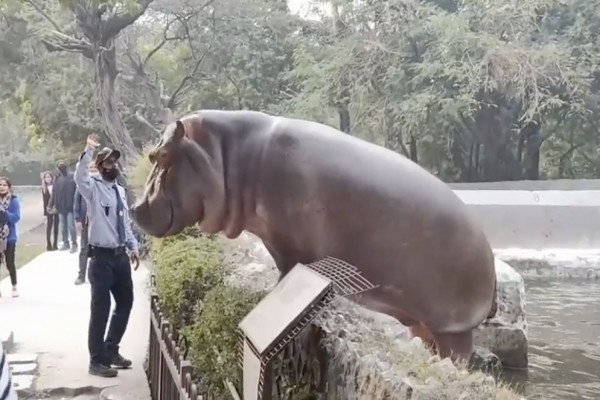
(186, 267)
(189, 274)
(213, 337)
(471, 90)
(139, 173)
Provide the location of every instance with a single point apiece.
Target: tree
(98, 24)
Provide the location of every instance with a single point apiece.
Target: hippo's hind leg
(417, 329)
(457, 346)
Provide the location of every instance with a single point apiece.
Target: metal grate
(295, 331)
(346, 278)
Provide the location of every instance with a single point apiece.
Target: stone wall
(372, 354)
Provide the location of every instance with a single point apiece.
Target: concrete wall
(536, 219)
(557, 184)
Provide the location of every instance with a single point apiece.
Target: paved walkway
(51, 318)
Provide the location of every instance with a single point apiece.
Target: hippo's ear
(179, 132)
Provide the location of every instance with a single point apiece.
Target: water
(564, 341)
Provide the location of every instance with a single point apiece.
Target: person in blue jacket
(10, 214)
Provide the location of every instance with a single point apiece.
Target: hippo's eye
(160, 157)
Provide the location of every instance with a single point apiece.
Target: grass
(24, 253)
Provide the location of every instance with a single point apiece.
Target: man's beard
(109, 174)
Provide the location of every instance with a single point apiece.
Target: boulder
(505, 335)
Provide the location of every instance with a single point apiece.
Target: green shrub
(186, 267)
(189, 273)
(213, 337)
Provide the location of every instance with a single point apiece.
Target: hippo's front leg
(283, 262)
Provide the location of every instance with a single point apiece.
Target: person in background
(62, 197)
(109, 272)
(10, 214)
(81, 218)
(50, 214)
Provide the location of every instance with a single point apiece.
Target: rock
(485, 360)
(505, 335)
(556, 263)
(23, 369)
(8, 340)
(24, 384)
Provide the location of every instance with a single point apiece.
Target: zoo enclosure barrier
(170, 375)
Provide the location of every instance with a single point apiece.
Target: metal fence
(170, 375)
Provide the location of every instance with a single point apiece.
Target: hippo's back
(336, 195)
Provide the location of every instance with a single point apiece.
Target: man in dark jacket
(80, 213)
(62, 198)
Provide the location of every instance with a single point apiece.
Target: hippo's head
(185, 185)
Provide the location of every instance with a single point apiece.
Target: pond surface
(564, 341)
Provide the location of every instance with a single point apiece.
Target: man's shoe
(79, 281)
(73, 249)
(64, 247)
(103, 371)
(119, 361)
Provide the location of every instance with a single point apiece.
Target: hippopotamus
(310, 191)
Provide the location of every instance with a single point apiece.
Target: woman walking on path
(10, 214)
(50, 214)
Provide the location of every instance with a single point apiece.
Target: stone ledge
(23, 369)
(554, 263)
(22, 358)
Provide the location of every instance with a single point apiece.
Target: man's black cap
(106, 153)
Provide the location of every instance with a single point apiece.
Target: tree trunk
(499, 162)
(344, 117)
(413, 149)
(533, 138)
(342, 91)
(105, 68)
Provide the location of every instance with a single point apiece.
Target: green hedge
(189, 271)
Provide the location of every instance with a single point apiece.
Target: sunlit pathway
(50, 318)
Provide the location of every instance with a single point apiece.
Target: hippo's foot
(457, 346)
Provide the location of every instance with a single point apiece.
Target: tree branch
(161, 44)
(115, 24)
(172, 99)
(44, 14)
(140, 118)
(73, 46)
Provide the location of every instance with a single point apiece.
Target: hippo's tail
(494, 308)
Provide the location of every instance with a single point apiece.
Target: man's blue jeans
(67, 226)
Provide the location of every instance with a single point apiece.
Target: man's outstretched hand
(135, 259)
(93, 140)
